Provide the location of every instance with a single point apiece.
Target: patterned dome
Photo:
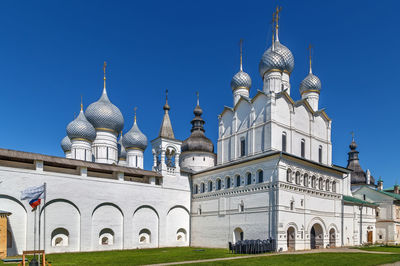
(104, 114)
(241, 80)
(310, 83)
(270, 61)
(66, 144)
(121, 148)
(134, 138)
(81, 128)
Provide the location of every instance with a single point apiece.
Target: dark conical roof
(358, 176)
(197, 140)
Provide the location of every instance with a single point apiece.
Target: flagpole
(34, 234)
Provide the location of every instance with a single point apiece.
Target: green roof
(390, 194)
(357, 201)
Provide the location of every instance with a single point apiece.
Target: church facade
(272, 177)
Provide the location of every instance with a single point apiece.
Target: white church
(271, 177)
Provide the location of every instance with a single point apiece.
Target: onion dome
(197, 140)
(241, 79)
(105, 115)
(271, 60)
(311, 83)
(134, 138)
(66, 144)
(81, 128)
(121, 148)
(358, 175)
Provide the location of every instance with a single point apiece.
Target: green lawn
(162, 255)
(394, 249)
(334, 259)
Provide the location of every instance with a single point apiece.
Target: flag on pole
(33, 194)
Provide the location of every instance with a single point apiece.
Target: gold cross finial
(166, 95)
(134, 109)
(241, 54)
(310, 55)
(273, 30)
(81, 103)
(104, 70)
(277, 11)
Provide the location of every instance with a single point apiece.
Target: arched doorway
(291, 239)
(332, 238)
(238, 235)
(317, 237)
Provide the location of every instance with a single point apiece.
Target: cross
(81, 103)
(352, 134)
(241, 54)
(198, 101)
(134, 109)
(166, 95)
(104, 67)
(277, 11)
(309, 55)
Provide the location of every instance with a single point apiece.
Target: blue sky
(52, 52)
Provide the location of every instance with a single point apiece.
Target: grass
(334, 259)
(163, 255)
(394, 249)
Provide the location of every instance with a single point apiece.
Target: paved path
(333, 250)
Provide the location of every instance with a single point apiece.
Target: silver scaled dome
(81, 128)
(121, 148)
(66, 144)
(134, 138)
(104, 114)
(280, 58)
(310, 83)
(241, 80)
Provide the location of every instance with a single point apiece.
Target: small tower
(165, 148)
(380, 184)
(121, 152)
(135, 142)
(108, 121)
(241, 81)
(81, 133)
(197, 150)
(310, 87)
(66, 145)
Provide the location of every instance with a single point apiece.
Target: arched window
(238, 180)
(59, 237)
(313, 182)
(195, 189)
(327, 185)
(242, 147)
(144, 236)
(320, 154)
(292, 205)
(248, 178)
(321, 183)
(260, 176)
(181, 235)
(333, 186)
(289, 175)
(219, 184)
(305, 180)
(228, 182)
(106, 237)
(298, 178)
(303, 148)
(210, 186)
(284, 141)
(203, 188)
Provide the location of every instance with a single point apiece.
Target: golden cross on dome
(135, 112)
(241, 54)
(104, 70)
(276, 13)
(310, 55)
(81, 103)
